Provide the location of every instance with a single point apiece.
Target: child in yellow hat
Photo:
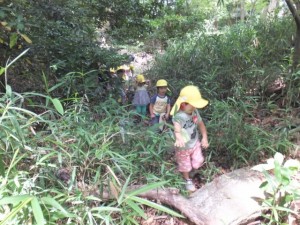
(160, 105)
(120, 84)
(141, 97)
(186, 120)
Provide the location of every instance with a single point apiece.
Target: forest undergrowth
(62, 159)
(71, 155)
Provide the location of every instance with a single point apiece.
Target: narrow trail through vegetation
(72, 153)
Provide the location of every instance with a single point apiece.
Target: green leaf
(156, 206)
(285, 176)
(2, 166)
(37, 212)
(52, 202)
(8, 90)
(13, 40)
(279, 208)
(132, 220)
(277, 171)
(292, 164)
(106, 208)
(12, 213)
(120, 199)
(26, 38)
(264, 184)
(136, 208)
(2, 70)
(146, 188)
(45, 157)
(93, 198)
(58, 106)
(56, 86)
(275, 213)
(14, 200)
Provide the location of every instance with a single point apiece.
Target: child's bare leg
(189, 185)
(186, 175)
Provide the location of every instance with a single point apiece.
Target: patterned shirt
(160, 104)
(188, 124)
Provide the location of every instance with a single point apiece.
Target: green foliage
(173, 26)
(154, 21)
(239, 61)
(234, 68)
(292, 92)
(74, 158)
(281, 190)
(62, 168)
(61, 36)
(67, 170)
(236, 139)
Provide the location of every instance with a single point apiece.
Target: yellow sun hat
(161, 83)
(140, 78)
(125, 67)
(120, 68)
(189, 94)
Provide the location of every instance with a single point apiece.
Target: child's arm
(179, 142)
(168, 108)
(151, 110)
(168, 111)
(203, 131)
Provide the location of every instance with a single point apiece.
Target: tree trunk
(292, 7)
(169, 197)
(243, 11)
(296, 57)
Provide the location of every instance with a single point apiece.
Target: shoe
(190, 186)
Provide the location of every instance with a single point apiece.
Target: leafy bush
(64, 163)
(237, 61)
(59, 39)
(281, 189)
(236, 139)
(173, 26)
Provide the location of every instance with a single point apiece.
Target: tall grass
(57, 166)
(239, 138)
(235, 62)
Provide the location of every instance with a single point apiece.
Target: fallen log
(170, 197)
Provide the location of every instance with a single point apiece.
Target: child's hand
(204, 143)
(179, 142)
(167, 116)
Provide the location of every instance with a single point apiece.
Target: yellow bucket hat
(189, 94)
(140, 78)
(119, 68)
(126, 68)
(161, 83)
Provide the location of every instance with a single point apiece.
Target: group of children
(159, 104)
(185, 118)
(121, 80)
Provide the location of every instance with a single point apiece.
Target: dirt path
(142, 60)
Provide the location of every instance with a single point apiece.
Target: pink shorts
(189, 159)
